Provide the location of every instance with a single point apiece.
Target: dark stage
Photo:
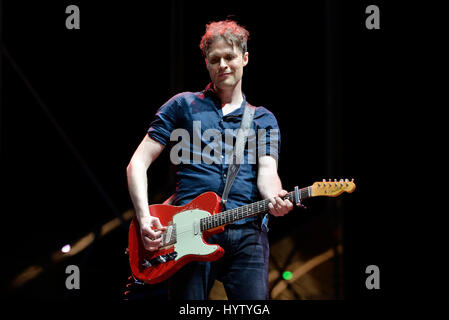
(75, 104)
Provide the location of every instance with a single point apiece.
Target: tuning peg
(324, 180)
(352, 180)
(346, 180)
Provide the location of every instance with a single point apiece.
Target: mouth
(224, 74)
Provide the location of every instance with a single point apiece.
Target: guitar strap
(238, 153)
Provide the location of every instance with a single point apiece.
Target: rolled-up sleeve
(165, 121)
(269, 135)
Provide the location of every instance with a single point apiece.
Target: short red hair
(228, 30)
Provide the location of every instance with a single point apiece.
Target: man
(244, 267)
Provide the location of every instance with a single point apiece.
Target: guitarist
(243, 269)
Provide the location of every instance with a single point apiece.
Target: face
(225, 64)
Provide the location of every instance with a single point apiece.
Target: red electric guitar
(190, 225)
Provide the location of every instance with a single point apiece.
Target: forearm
(138, 186)
(270, 187)
(136, 173)
(269, 184)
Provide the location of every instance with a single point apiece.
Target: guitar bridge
(159, 259)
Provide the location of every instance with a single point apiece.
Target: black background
(347, 100)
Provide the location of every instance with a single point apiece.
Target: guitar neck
(229, 216)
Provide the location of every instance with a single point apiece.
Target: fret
(303, 193)
(249, 210)
(261, 206)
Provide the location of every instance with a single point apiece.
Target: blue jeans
(243, 269)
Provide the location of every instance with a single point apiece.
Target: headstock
(332, 188)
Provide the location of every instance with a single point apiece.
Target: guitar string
(256, 205)
(244, 210)
(262, 203)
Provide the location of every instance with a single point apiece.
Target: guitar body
(186, 241)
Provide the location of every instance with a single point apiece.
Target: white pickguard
(188, 234)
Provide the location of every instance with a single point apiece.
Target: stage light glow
(66, 248)
(287, 275)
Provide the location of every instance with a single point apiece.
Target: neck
(252, 209)
(231, 96)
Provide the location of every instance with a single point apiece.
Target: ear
(245, 59)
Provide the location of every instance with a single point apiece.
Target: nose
(223, 64)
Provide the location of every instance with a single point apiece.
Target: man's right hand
(151, 230)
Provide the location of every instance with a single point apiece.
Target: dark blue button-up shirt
(191, 123)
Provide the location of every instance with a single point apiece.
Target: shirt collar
(209, 91)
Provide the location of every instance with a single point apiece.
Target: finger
(272, 204)
(284, 208)
(158, 225)
(282, 211)
(162, 229)
(156, 242)
(156, 234)
(280, 202)
(148, 245)
(151, 248)
(151, 244)
(289, 204)
(150, 234)
(282, 193)
(273, 210)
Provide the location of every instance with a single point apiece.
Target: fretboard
(229, 216)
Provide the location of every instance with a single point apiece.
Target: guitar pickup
(169, 236)
(159, 259)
